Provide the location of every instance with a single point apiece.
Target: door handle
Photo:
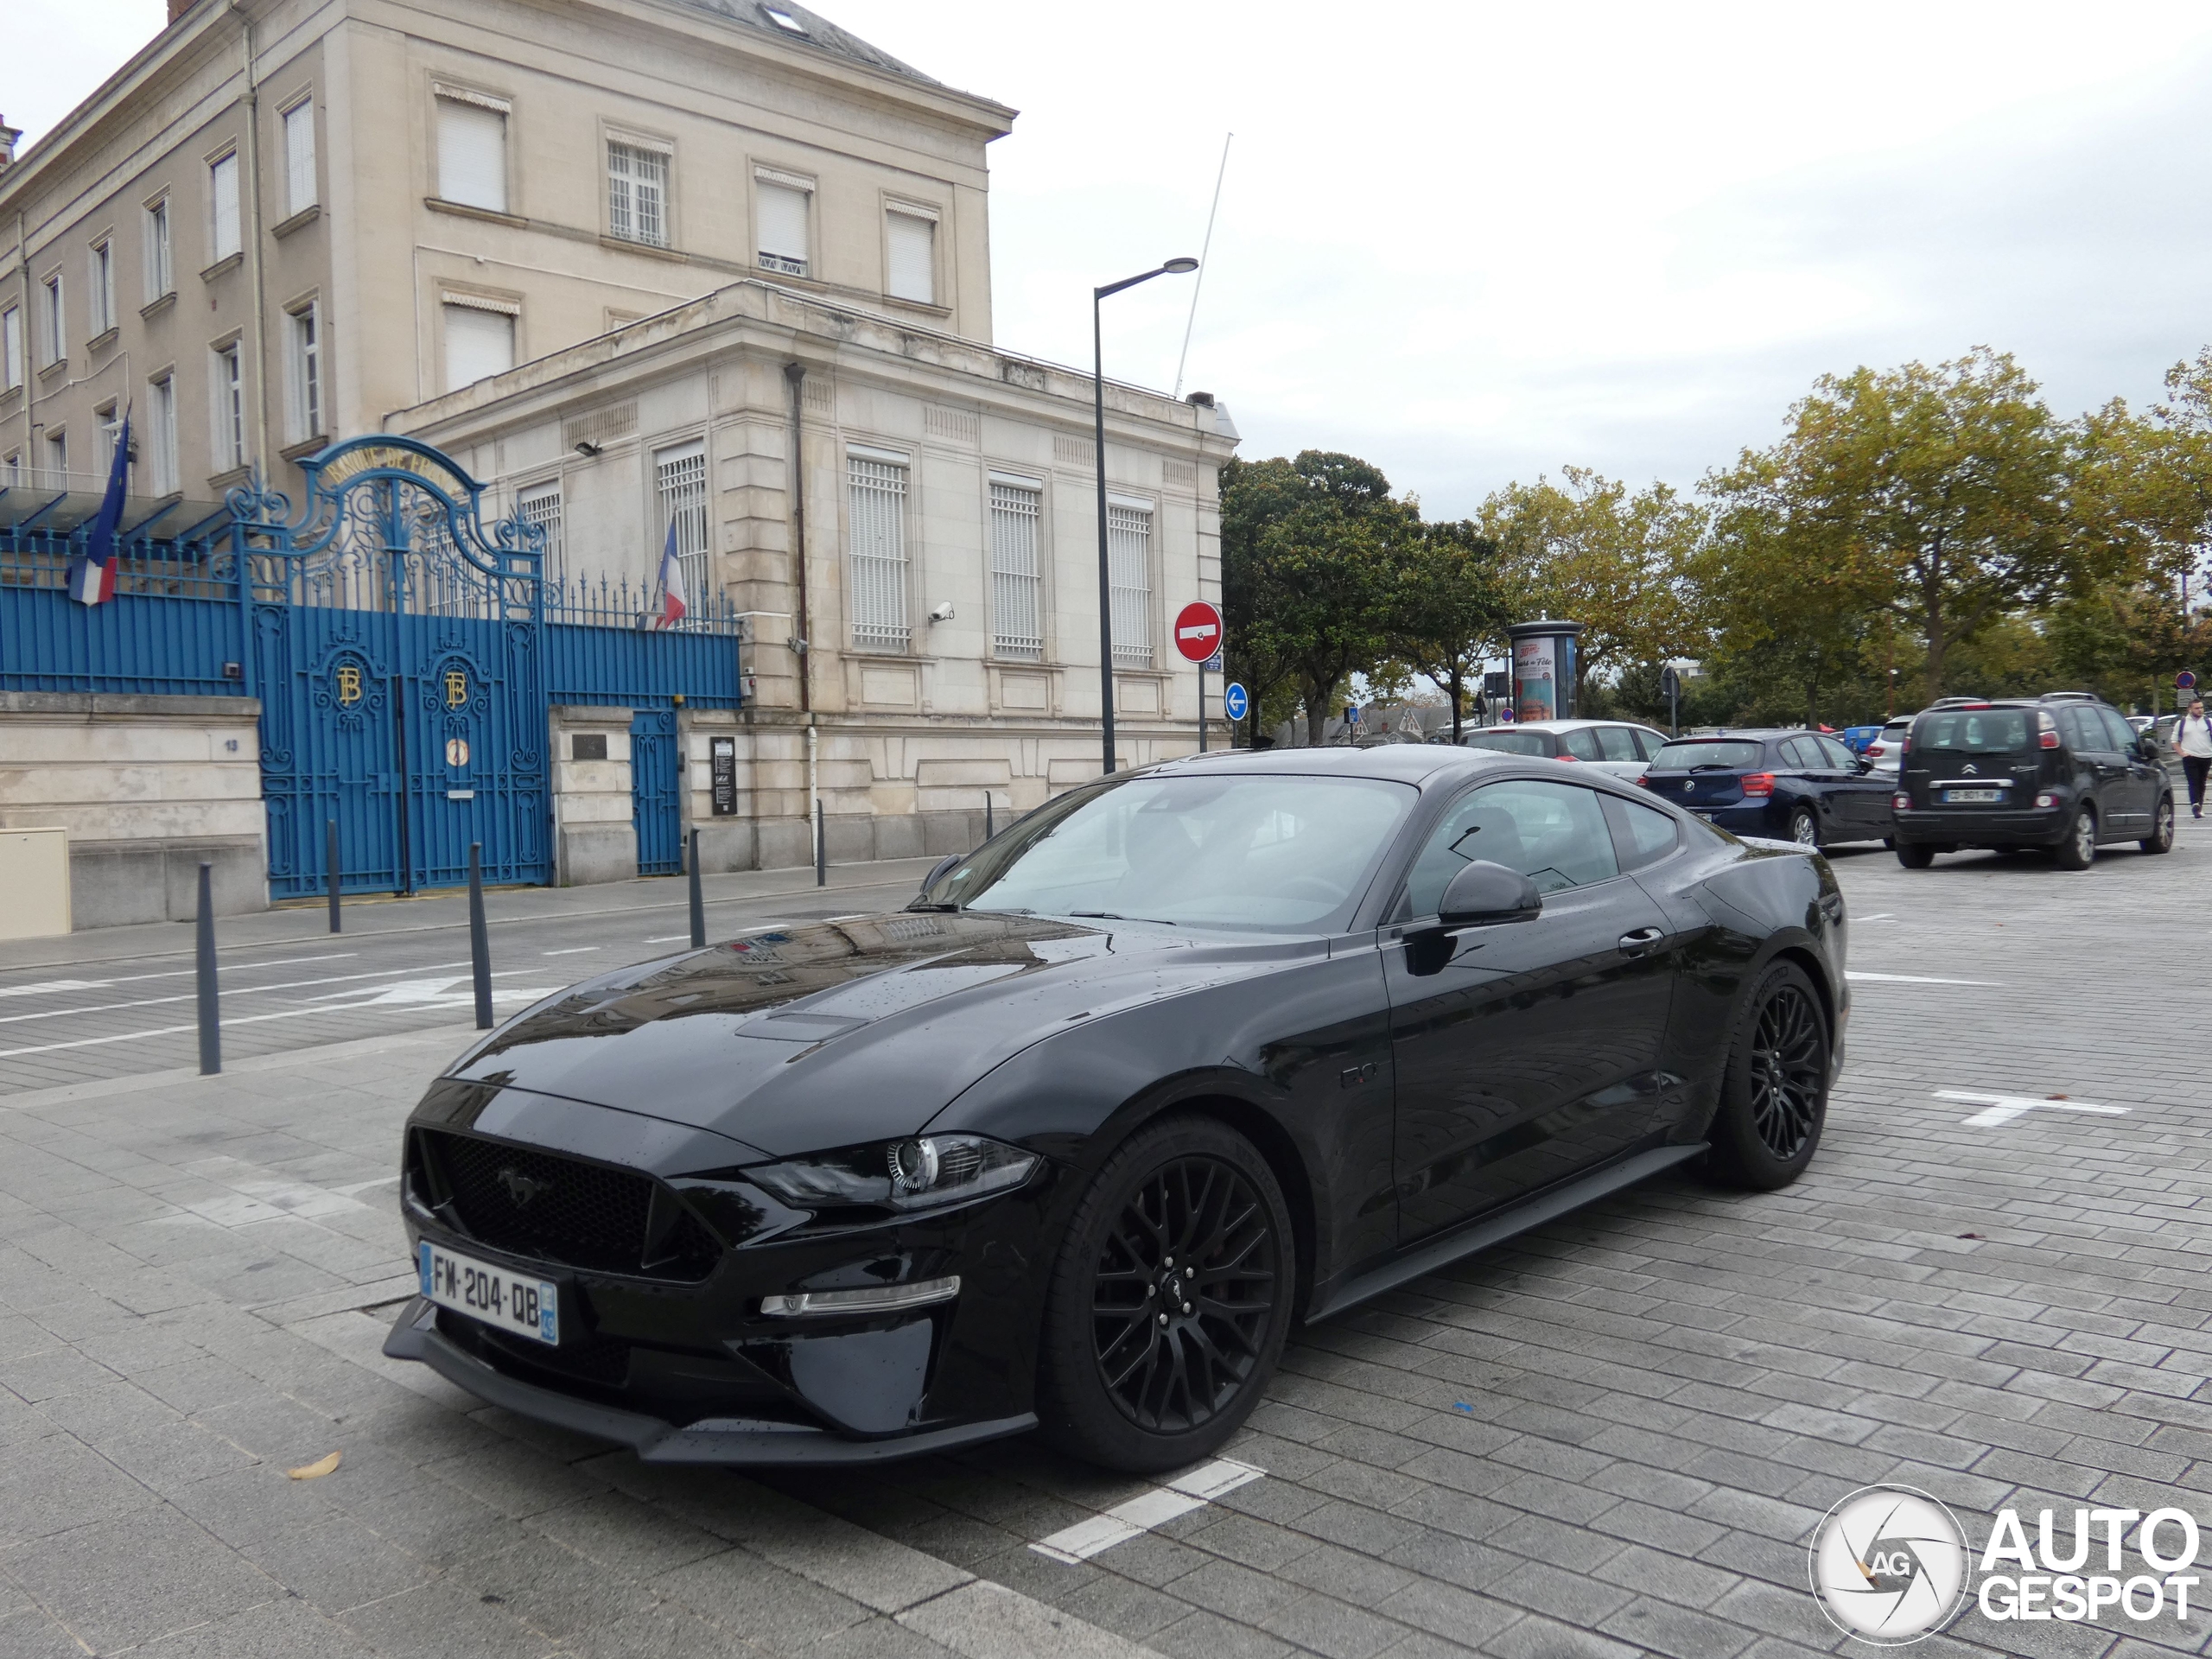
(1640, 942)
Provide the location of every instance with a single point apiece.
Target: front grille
(566, 1211)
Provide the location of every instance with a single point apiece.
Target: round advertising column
(1543, 669)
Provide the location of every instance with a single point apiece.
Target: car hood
(805, 1038)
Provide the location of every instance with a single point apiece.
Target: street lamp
(1176, 268)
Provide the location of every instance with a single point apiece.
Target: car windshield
(1509, 742)
(1985, 731)
(1268, 851)
(1690, 755)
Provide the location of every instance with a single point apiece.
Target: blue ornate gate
(655, 808)
(398, 650)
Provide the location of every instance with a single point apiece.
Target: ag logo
(1889, 1566)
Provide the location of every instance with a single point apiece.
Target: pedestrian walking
(2193, 743)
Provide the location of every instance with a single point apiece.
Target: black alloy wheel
(1170, 1300)
(2161, 838)
(1183, 1294)
(1774, 1099)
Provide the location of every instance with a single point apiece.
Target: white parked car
(1620, 746)
(1886, 751)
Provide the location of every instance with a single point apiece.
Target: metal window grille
(161, 421)
(299, 156)
(637, 194)
(1017, 586)
(158, 280)
(681, 476)
(878, 551)
(541, 507)
(1129, 568)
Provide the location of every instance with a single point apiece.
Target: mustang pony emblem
(521, 1188)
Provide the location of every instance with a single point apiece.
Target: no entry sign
(1198, 631)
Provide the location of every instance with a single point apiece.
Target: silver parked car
(1619, 747)
(1886, 751)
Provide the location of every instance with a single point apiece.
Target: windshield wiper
(1116, 916)
(918, 905)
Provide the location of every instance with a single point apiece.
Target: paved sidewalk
(195, 1278)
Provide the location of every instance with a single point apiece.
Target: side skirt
(1500, 1224)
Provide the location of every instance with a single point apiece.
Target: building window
(878, 551)
(1017, 585)
(910, 240)
(303, 373)
(637, 194)
(680, 476)
(1129, 566)
(223, 192)
(159, 279)
(472, 152)
(110, 431)
(11, 348)
(541, 507)
(160, 433)
(103, 288)
(299, 156)
(14, 466)
(228, 439)
(780, 204)
(57, 460)
(479, 340)
(54, 342)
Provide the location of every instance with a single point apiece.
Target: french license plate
(1955, 797)
(526, 1306)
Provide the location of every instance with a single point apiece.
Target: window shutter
(478, 343)
(472, 156)
(913, 261)
(783, 227)
(299, 156)
(224, 177)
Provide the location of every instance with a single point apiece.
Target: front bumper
(1957, 826)
(758, 1441)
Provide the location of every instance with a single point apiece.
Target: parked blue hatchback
(1800, 786)
(1856, 738)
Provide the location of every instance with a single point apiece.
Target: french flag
(674, 601)
(91, 573)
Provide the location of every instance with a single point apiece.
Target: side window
(1839, 757)
(1799, 751)
(2123, 734)
(1581, 743)
(1617, 743)
(1642, 835)
(1555, 834)
(1648, 743)
(2083, 729)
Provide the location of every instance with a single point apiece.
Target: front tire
(1914, 856)
(1169, 1302)
(2077, 847)
(2161, 838)
(1773, 1100)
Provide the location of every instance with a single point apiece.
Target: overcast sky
(1470, 242)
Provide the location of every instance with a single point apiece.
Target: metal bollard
(698, 899)
(479, 943)
(331, 867)
(211, 1018)
(821, 848)
(989, 830)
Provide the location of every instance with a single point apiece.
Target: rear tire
(1914, 856)
(1186, 1214)
(2077, 847)
(1774, 1099)
(1805, 828)
(2161, 838)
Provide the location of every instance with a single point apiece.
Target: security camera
(943, 613)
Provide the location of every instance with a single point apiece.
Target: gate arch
(398, 644)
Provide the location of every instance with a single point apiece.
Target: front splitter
(757, 1442)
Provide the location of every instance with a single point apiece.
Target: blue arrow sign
(1235, 702)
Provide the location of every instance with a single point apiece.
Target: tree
(1310, 551)
(1941, 495)
(1592, 553)
(1450, 611)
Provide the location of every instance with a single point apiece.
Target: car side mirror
(1865, 765)
(1484, 895)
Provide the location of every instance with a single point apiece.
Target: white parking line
(52, 987)
(1142, 1514)
(573, 951)
(2002, 1109)
(1915, 979)
(233, 990)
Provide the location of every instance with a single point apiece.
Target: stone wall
(594, 829)
(146, 788)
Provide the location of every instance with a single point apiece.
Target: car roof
(1559, 725)
(1406, 763)
(1748, 733)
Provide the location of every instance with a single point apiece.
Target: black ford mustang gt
(1181, 1057)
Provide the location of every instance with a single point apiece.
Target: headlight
(925, 1172)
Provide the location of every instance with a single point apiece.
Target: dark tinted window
(1509, 742)
(1581, 743)
(1692, 752)
(1642, 834)
(1554, 834)
(1976, 731)
(1802, 752)
(2081, 727)
(1617, 743)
